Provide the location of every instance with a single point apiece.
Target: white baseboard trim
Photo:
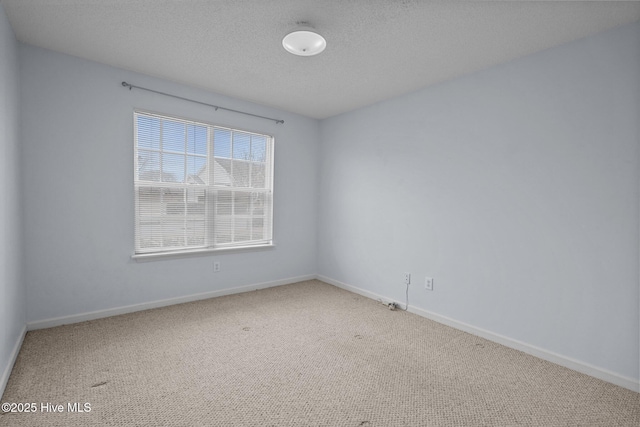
(567, 362)
(12, 360)
(99, 314)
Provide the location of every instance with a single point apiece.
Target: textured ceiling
(376, 49)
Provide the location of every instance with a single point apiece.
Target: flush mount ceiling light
(304, 41)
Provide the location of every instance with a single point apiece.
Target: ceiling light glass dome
(304, 41)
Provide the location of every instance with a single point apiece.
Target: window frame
(209, 229)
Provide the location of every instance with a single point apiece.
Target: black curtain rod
(130, 86)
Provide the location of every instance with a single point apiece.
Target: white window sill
(197, 252)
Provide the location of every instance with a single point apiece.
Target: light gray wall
(516, 188)
(12, 291)
(77, 130)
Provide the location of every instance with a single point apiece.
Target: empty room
(319, 213)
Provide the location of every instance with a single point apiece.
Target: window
(199, 186)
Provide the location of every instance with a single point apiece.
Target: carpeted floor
(306, 354)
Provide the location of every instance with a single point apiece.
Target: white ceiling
(376, 49)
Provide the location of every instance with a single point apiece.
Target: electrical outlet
(428, 283)
(216, 266)
(407, 278)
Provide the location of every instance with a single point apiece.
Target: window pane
(174, 201)
(173, 168)
(240, 173)
(173, 136)
(258, 148)
(222, 229)
(258, 171)
(259, 201)
(149, 202)
(148, 165)
(196, 202)
(241, 146)
(242, 203)
(148, 132)
(195, 232)
(197, 172)
(257, 232)
(222, 172)
(150, 234)
(223, 203)
(222, 143)
(242, 229)
(173, 232)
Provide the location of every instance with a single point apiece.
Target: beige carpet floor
(306, 354)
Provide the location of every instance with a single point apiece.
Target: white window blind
(199, 186)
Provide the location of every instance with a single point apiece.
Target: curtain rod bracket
(216, 107)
